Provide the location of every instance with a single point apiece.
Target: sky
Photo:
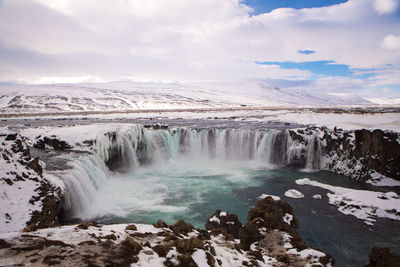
(318, 45)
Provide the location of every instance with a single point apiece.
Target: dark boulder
(225, 223)
(160, 224)
(181, 227)
(249, 234)
(271, 215)
(52, 142)
(11, 137)
(383, 257)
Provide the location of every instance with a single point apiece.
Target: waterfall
(129, 148)
(87, 175)
(313, 154)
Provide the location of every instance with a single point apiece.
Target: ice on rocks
(276, 198)
(293, 193)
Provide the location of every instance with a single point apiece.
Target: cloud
(391, 42)
(197, 40)
(385, 6)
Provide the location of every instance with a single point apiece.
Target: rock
(204, 235)
(52, 142)
(11, 137)
(162, 250)
(86, 225)
(383, 257)
(371, 151)
(35, 165)
(181, 227)
(224, 222)
(131, 246)
(248, 234)
(272, 214)
(4, 244)
(187, 246)
(210, 259)
(160, 224)
(131, 227)
(186, 261)
(45, 197)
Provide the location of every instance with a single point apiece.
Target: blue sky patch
(264, 6)
(323, 67)
(328, 68)
(306, 52)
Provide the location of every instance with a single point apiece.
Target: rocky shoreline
(267, 239)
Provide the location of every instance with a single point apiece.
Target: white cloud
(197, 40)
(385, 6)
(391, 42)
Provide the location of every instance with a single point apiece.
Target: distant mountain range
(134, 95)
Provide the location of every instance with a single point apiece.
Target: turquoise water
(193, 189)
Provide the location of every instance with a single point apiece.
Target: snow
(16, 207)
(148, 258)
(229, 256)
(317, 197)
(215, 219)
(222, 213)
(363, 204)
(134, 95)
(378, 179)
(148, 228)
(199, 256)
(293, 193)
(276, 198)
(75, 134)
(288, 218)
(305, 253)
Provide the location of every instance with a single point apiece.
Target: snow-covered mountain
(133, 95)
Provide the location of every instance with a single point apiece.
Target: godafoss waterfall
(141, 174)
(198, 194)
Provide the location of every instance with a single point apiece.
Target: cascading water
(127, 153)
(88, 174)
(140, 175)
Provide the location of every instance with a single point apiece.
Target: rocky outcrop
(92, 244)
(383, 257)
(29, 200)
(379, 151)
(361, 154)
(225, 223)
(270, 215)
(51, 142)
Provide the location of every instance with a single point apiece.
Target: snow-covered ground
(134, 96)
(252, 101)
(363, 204)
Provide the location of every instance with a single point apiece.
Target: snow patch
(288, 218)
(378, 179)
(293, 193)
(215, 219)
(276, 198)
(363, 204)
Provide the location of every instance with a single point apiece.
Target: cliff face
(379, 151)
(29, 200)
(361, 154)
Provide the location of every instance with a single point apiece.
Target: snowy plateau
(87, 170)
